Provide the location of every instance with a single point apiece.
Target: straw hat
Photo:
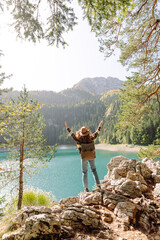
(84, 131)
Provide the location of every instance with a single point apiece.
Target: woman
(85, 143)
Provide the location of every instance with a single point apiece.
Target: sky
(42, 67)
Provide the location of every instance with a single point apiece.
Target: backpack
(88, 151)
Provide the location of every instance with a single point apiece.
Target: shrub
(36, 198)
(152, 151)
(43, 199)
(29, 197)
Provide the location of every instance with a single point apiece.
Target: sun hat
(84, 131)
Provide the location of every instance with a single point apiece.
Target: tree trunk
(20, 196)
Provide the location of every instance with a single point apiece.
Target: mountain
(86, 89)
(86, 104)
(98, 85)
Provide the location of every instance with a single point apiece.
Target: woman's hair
(89, 135)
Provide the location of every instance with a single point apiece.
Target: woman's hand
(101, 123)
(66, 124)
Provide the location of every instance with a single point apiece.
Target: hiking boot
(86, 190)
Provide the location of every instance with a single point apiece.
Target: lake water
(63, 177)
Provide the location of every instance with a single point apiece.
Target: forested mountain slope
(79, 107)
(86, 89)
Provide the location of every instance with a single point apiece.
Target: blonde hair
(78, 135)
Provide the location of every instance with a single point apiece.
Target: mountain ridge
(85, 89)
(98, 85)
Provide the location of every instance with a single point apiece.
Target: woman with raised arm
(85, 143)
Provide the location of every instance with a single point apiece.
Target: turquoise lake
(63, 177)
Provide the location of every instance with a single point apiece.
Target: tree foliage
(38, 20)
(132, 26)
(51, 19)
(105, 18)
(3, 77)
(140, 51)
(22, 132)
(90, 112)
(151, 152)
(137, 34)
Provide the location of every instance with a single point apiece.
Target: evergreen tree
(33, 23)
(38, 20)
(2, 111)
(22, 133)
(3, 77)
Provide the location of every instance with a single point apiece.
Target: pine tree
(22, 133)
(39, 20)
(3, 77)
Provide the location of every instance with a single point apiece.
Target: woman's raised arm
(66, 124)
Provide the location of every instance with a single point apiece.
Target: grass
(31, 197)
(37, 198)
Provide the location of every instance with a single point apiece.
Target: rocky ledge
(126, 207)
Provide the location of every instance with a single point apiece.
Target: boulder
(82, 216)
(129, 188)
(154, 166)
(32, 211)
(89, 198)
(128, 177)
(127, 211)
(70, 200)
(42, 224)
(36, 226)
(114, 162)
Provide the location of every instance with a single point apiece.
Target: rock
(35, 226)
(125, 227)
(84, 237)
(114, 162)
(42, 224)
(156, 178)
(70, 200)
(126, 207)
(127, 211)
(130, 188)
(111, 206)
(31, 211)
(111, 199)
(135, 176)
(154, 166)
(13, 236)
(128, 177)
(89, 198)
(108, 219)
(144, 222)
(102, 235)
(156, 191)
(137, 167)
(83, 216)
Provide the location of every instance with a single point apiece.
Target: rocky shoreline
(127, 207)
